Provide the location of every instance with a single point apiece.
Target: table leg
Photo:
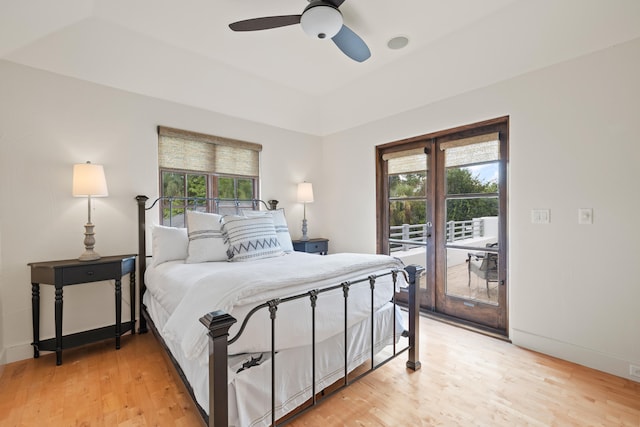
(58, 310)
(35, 314)
(118, 311)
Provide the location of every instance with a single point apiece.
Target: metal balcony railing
(406, 236)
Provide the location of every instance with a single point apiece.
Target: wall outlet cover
(540, 216)
(585, 216)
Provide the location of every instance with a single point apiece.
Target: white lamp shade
(89, 180)
(321, 22)
(305, 192)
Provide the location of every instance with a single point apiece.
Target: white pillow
(251, 238)
(205, 238)
(280, 222)
(168, 244)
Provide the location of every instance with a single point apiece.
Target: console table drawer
(90, 273)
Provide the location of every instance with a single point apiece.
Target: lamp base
(89, 242)
(304, 237)
(89, 255)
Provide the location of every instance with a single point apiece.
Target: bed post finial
(218, 323)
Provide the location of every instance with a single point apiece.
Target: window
(204, 166)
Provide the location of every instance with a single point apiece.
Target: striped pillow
(205, 238)
(252, 238)
(280, 222)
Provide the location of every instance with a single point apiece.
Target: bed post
(414, 272)
(142, 258)
(218, 324)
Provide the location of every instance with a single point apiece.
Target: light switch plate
(585, 216)
(540, 216)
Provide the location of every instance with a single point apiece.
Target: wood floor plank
(466, 379)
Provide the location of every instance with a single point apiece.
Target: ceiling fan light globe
(321, 22)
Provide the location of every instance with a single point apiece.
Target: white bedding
(179, 294)
(237, 287)
(250, 390)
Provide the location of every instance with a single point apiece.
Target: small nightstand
(74, 272)
(312, 246)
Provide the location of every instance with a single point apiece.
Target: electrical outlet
(634, 371)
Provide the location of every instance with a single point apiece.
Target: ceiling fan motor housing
(321, 20)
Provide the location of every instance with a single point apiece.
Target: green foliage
(173, 184)
(459, 181)
(245, 189)
(226, 188)
(196, 186)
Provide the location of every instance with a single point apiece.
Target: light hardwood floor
(466, 379)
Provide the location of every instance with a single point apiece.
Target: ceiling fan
(321, 19)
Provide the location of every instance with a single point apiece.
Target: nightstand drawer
(312, 246)
(317, 247)
(90, 273)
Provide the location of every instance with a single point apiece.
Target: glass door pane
(408, 198)
(472, 221)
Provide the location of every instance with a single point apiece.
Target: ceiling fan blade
(351, 44)
(336, 3)
(265, 23)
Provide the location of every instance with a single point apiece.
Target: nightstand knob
(89, 273)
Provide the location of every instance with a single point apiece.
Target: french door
(441, 204)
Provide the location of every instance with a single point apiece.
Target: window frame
(235, 151)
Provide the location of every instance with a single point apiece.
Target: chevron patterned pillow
(252, 238)
(280, 222)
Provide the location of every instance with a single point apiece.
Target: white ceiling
(183, 51)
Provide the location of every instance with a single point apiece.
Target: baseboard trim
(18, 352)
(573, 353)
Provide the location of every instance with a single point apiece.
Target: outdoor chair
(484, 265)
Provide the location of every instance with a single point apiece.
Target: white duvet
(235, 288)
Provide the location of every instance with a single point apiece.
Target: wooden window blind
(185, 150)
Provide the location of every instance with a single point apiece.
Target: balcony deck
(459, 285)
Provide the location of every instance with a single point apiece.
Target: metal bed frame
(219, 322)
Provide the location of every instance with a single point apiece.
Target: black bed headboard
(180, 205)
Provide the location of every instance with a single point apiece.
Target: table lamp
(89, 181)
(305, 195)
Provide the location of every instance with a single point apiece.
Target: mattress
(178, 294)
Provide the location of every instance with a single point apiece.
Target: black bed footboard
(219, 322)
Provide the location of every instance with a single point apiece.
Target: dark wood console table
(74, 272)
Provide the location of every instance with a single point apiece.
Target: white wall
(48, 123)
(574, 143)
(2, 350)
